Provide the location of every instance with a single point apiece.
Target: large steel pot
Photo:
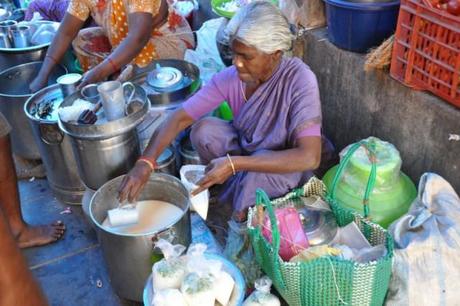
(10, 57)
(188, 154)
(55, 148)
(129, 257)
(105, 151)
(14, 91)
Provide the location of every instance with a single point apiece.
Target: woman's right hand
(134, 182)
(38, 83)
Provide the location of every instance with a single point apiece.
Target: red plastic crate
(426, 51)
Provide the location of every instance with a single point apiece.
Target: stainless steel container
(106, 150)
(55, 148)
(167, 162)
(69, 83)
(129, 257)
(14, 91)
(188, 155)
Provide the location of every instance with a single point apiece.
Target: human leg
(212, 138)
(17, 286)
(26, 235)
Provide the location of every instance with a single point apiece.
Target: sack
(323, 281)
(427, 263)
(309, 14)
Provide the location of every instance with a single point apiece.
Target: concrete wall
(357, 104)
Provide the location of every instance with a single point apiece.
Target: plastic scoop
(123, 215)
(89, 116)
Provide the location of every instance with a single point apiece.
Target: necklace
(243, 91)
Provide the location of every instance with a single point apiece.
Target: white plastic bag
(170, 271)
(206, 55)
(190, 175)
(426, 265)
(262, 295)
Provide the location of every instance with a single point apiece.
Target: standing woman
(131, 31)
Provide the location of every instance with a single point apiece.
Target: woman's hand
(92, 76)
(134, 182)
(217, 172)
(38, 83)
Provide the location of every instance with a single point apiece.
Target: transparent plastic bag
(168, 297)
(262, 295)
(198, 286)
(189, 176)
(170, 271)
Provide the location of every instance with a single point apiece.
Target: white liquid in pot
(153, 216)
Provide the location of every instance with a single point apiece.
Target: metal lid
(44, 104)
(163, 78)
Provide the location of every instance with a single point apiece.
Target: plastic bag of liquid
(168, 297)
(189, 176)
(199, 285)
(170, 271)
(262, 295)
(72, 112)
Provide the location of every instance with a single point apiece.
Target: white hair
(261, 25)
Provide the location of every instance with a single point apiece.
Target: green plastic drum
(393, 191)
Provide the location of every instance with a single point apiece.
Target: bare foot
(32, 236)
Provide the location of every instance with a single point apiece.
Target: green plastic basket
(325, 280)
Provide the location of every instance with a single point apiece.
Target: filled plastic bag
(262, 296)
(169, 272)
(199, 285)
(426, 265)
(168, 297)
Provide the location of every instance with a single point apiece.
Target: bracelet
(114, 66)
(231, 164)
(148, 162)
(52, 58)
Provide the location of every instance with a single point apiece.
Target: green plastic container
(393, 192)
(224, 112)
(216, 4)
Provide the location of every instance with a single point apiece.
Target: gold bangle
(231, 164)
(148, 162)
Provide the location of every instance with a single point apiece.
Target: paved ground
(69, 270)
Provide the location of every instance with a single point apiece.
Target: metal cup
(20, 36)
(90, 93)
(4, 41)
(6, 25)
(113, 98)
(68, 83)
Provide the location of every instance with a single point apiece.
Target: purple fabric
(213, 138)
(49, 10)
(293, 81)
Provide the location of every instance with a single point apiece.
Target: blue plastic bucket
(359, 26)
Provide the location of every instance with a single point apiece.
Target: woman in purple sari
(274, 141)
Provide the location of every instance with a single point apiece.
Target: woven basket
(325, 280)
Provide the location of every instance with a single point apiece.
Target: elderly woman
(274, 141)
(135, 31)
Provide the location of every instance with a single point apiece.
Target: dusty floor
(69, 270)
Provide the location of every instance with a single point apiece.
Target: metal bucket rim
(30, 100)
(152, 177)
(22, 65)
(96, 132)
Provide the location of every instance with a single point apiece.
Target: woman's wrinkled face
(253, 65)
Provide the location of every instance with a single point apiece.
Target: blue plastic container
(359, 26)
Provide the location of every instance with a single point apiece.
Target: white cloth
(426, 268)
